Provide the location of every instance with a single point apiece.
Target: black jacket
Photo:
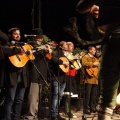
(8, 72)
(56, 71)
(38, 68)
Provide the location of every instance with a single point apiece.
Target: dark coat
(2, 67)
(3, 38)
(38, 68)
(8, 72)
(55, 62)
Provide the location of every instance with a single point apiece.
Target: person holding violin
(15, 79)
(42, 56)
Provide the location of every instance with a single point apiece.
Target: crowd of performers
(33, 65)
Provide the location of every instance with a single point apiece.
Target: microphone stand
(49, 72)
(39, 104)
(39, 81)
(35, 66)
(69, 97)
(83, 91)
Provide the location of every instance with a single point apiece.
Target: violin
(49, 56)
(48, 47)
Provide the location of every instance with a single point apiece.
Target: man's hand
(96, 64)
(48, 48)
(95, 11)
(66, 63)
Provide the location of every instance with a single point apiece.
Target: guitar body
(75, 63)
(76, 59)
(93, 72)
(20, 60)
(64, 68)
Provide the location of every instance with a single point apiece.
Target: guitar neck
(80, 55)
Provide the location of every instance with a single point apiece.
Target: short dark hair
(90, 47)
(10, 31)
(61, 43)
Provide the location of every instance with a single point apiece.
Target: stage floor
(80, 116)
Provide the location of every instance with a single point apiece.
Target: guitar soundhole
(18, 57)
(65, 66)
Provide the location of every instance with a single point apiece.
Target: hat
(38, 32)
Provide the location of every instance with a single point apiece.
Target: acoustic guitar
(64, 68)
(19, 60)
(74, 61)
(93, 72)
(80, 55)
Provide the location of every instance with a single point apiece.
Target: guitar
(19, 60)
(80, 55)
(93, 72)
(74, 60)
(64, 68)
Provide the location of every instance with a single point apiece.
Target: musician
(3, 41)
(90, 79)
(3, 38)
(58, 77)
(37, 79)
(109, 74)
(15, 80)
(71, 87)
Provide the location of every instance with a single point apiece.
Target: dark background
(16, 13)
(53, 16)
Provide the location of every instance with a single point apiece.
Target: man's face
(65, 46)
(16, 35)
(92, 51)
(39, 40)
(70, 48)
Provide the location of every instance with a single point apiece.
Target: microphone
(62, 49)
(18, 43)
(25, 35)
